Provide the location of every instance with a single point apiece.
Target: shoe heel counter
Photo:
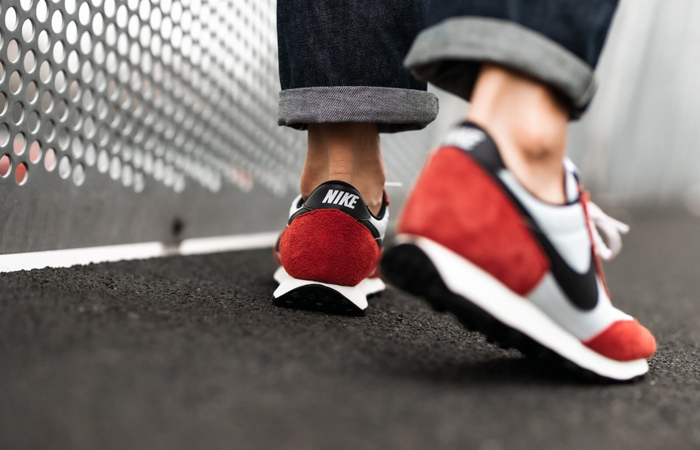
(328, 246)
(458, 205)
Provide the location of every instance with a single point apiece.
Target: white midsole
(482, 289)
(355, 294)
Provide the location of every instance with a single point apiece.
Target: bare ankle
(530, 126)
(349, 153)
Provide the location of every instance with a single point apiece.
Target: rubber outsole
(328, 298)
(407, 267)
(319, 298)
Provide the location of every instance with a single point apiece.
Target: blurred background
(155, 120)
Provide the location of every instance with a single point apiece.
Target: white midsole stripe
(355, 294)
(471, 282)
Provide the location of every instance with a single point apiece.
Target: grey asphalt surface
(188, 352)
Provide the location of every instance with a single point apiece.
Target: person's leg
(529, 124)
(497, 229)
(343, 80)
(346, 152)
(526, 67)
(342, 76)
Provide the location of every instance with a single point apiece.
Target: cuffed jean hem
(393, 109)
(450, 55)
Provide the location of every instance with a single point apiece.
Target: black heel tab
(338, 195)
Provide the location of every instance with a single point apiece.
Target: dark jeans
(345, 60)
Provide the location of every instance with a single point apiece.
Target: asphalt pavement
(190, 353)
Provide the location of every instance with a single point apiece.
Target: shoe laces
(613, 230)
(599, 222)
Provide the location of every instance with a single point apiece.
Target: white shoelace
(613, 230)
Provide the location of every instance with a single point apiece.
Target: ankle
(529, 124)
(349, 153)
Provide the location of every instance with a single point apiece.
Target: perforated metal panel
(139, 120)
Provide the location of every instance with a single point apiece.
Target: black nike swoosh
(580, 289)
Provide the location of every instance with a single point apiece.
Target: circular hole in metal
(78, 174)
(27, 30)
(57, 21)
(59, 52)
(19, 144)
(21, 174)
(72, 32)
(74, 91)
(42, 10)
(47, 101)
(84, 14)
(100, 81)
(2, 72)
(144, 10)
(3, 103)
(86, 43)
(26, 4)
(17, 114)
(11, 19)
(50, 160)
(13, 51)
(4, 134)
(89, 127)
(45, 72)
(88, 99)
(35, 152)
(44, 42)
(70, 6)
(49, 130)
(110, 34)
(98, 24)
(127, 175)
(122, 16)
(156, 17)
(73, 62)
(133, 27)
(31, 92)
(115, 168)
(103, 137)
(33, 122)
(60, 81)
(64, 167)
(110, 7)
(90, 155)
(63, 138)
(29, 61)
(5, 166)
(78, 147)
(103, 161)
(62, 110)
(88, 72)
(15, 82)
(76, 118)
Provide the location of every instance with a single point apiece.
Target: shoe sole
(329, 298)
(450, 283)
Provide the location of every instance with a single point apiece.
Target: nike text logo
(464, 138)
(341, 198)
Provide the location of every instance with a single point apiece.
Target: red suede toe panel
(329, 246)
(625, 340)
(457, 204)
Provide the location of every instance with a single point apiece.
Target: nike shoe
(328, 253)
(474, 242)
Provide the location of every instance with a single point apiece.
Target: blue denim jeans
(369, 61)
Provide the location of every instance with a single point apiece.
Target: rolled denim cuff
(393, 109)
(450, 55)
